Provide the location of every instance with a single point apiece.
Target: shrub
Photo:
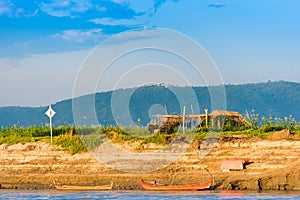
(270, 128)
(107, 129)
(157, 138)
(71, 143)
(200, 135)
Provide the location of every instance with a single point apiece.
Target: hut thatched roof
(230, 114)
(215, 113)
(225, 112)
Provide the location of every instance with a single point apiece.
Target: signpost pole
(50, 113)
(51, 129)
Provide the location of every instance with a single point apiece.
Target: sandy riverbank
(274, 165)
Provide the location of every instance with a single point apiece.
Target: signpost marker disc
(50, 113)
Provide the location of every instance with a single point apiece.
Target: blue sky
(44, 42)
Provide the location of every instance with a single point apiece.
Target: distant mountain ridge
(276, 99)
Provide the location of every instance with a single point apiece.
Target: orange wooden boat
(199, 186)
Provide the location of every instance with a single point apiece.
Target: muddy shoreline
(274, 165)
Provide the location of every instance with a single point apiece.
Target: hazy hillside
(279, 99)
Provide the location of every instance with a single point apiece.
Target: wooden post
(183, 120)
(139, 126)
(219, 122)
(206, 117)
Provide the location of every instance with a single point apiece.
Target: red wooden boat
(199, 186)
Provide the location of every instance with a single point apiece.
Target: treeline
(277, 99)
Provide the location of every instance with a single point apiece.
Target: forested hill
(276, 99)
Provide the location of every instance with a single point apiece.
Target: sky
(44, 43)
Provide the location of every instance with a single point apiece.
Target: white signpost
(50, 113)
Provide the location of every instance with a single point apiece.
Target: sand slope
(274, 165)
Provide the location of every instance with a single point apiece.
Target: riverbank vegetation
(80, 139)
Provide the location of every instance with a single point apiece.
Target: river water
(53, 194)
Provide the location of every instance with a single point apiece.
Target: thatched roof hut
(218, 117)
(234, 115)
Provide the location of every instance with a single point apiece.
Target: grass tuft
(71, 143)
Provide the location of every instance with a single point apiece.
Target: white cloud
(35, 12)
(115, 22)
(59, 8)
(133, 35)
(121, 2)
(19, 11)
(12, 10)
(81, 36)
(5, 7)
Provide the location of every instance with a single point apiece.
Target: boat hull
(84, 188)
(200, 186)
